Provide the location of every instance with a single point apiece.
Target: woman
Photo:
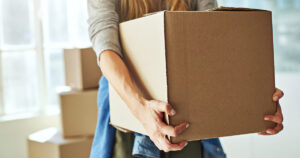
(105, 15)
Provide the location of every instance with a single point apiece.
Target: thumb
(162, 107)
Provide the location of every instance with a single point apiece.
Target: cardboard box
(82, 71)
(78, 112)
(214, 67)
(49, 143)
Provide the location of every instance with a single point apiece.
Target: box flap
(222, 8)
(158, 12)
(52, 135)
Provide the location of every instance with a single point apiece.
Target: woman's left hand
(277, 117)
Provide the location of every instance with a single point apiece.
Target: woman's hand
(151, 117)
(277, 117)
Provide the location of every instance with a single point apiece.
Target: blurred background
(33, 34)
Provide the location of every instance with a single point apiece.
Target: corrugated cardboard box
(78, 112)
(214, 67)
(49, 143)
(82, 71)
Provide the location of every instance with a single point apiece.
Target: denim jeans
(144, 148)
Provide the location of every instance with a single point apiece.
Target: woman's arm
(103, 31)
(148, 112)
(103, 26)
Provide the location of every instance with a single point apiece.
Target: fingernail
(173, 112)
(187, 125)
(275, 98)
(185, 144)
(269, 132)
(267, 118)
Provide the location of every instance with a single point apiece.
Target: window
(33, 34)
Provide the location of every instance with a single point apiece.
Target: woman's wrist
(139, 106)
(116, 72)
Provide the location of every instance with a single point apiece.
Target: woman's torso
(195, 5)
(103, 91)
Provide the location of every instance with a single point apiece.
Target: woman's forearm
(117, 73)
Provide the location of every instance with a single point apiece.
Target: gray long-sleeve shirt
(104, 21)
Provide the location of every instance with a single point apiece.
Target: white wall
(285, 144)
(13, 134)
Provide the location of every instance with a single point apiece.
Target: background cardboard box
(49, 143)
(78, 112)
(82, 71)
(216, 68)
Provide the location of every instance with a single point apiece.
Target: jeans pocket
(211, 150)
(143, 147)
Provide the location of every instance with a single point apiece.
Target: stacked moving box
(78, 111)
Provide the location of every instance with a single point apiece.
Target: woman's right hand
(151, 116)
(149, 112)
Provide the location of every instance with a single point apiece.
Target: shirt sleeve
(206, 4)
(103, 26)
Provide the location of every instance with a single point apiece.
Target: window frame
(1, 82)
(38, 48)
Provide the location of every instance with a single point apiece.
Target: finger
(163, 107)
(275, 130)
(173, 131)
(277, 94)
(278, 112)
(274, 118)
(263, 133)
(173, 147)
